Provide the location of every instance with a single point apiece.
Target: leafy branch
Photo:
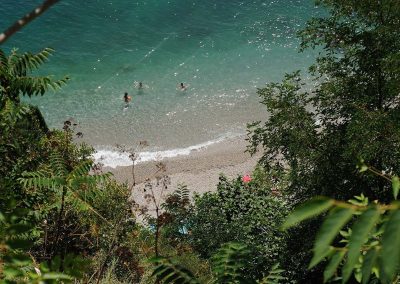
(371, 246)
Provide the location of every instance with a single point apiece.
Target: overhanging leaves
(328, 231)
(309, 209)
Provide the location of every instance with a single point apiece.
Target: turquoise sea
(222, 49)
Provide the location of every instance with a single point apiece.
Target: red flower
(246, 178)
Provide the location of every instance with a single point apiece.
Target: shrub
(239, 212)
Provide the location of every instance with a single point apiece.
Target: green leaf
(19, 244)
(359, 236)
(229, 261)
(16, 229)
(395, 186)
(333, 265)
(368, 264)
(309, 209)
(169, 271)
(11, 272)
(361, 166)
(328, 231)
(274, 276)
(391, 245)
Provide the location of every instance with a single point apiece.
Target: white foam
(113, 158)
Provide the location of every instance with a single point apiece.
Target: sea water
(223, 50)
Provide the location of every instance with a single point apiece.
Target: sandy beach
(199, 171)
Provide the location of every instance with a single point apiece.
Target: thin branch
(18, 25)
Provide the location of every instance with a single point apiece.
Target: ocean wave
(113, 158)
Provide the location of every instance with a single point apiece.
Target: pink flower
(246, 178)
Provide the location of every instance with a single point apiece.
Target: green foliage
(167, 271)
(16, 265)
(76, 186)
(22, 126)
(229, 263)
(229, 266)
(274, 276)
(68, 205)
(371, 246)
(239, 212)
(395, 186)
(351, 111)
(318, 205)
(348, 110)
(14, 79)
(175, 218)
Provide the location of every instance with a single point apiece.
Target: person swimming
(183, 87)
(140, 85)
(127, 98)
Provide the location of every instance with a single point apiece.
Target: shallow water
(224, 50)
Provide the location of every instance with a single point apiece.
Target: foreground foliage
(349, 111)
(370, 248)
(56, 204)
(229, 266)
(249, 213)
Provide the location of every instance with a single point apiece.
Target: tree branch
(26, 19)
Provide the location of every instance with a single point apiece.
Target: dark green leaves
(168, 271)
(309, 209)
(229, 262)
(368, 264)
(328, 231)
(228, 265)
(395, 186)
(362, 247)
(359, 236)
(391, 245)
(333, 264)
(15, 79)
(274, 276)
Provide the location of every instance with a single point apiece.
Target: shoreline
(199, 171)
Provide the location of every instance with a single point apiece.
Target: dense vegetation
(64, 220)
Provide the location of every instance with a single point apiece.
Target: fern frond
(75, 182)
(274, 276)
(58, 165)
(3, 61)
(12, 58)
(82, 169)
(229, 263)
(183, 193)
(33, 86)
(168, 271)
(11, 113)
(39, 182)
(28, 62)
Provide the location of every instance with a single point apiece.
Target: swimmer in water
(140, 85)
(183, 87)
(127, 98)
